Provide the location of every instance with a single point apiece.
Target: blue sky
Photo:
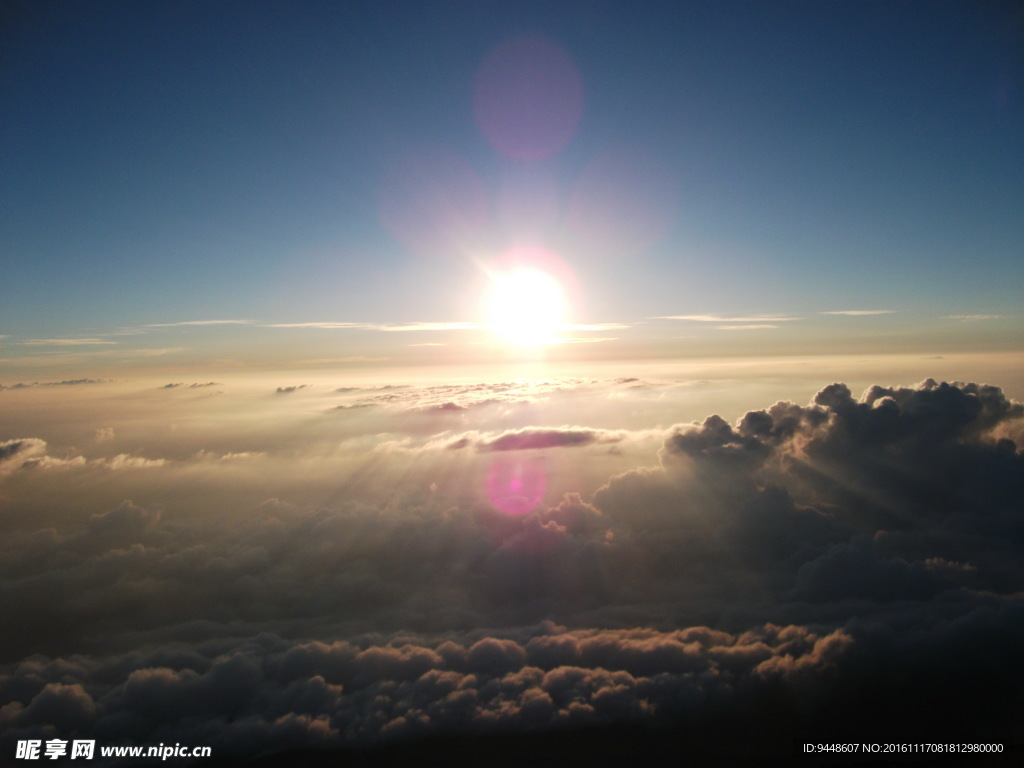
(173, 162)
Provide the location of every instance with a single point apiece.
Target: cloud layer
(807, 570)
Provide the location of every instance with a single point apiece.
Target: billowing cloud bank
(808, 572)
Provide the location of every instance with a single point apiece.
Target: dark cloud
(532, 439)
(365, 692)
(66, 383)
(536, 438)
(283, 694)
(289, 390)
(448, 407)
(126, 523)
(857, 569)
(927, 461)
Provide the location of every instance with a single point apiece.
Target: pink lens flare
(528, 98)
(623, 203)
(433, 202)
(516, 485)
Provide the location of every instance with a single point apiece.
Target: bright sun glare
(526, 307)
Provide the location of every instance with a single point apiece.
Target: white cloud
(594, 327)
(332, 360)
(411, 327)
(859, 312)
(397, 327)
(152, 351)
(718, 319)
(199, 322)
(65, 342)
(328, 325)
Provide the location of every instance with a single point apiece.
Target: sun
(526, 307)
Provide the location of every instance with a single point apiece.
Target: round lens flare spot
(516, 486)
(526, 307)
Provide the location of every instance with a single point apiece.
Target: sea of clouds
(295, 567)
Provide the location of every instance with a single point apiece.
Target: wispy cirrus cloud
(153, 351)
(328, 325)
(399, 327)
(594, 326)
(719, 319)
(349, 359)
(199, 322)
(859, 312)
(974, 317)
(49, 355)
(745, 327)
(413, 327)
(66, 342)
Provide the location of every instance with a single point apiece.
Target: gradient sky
(281, 163)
